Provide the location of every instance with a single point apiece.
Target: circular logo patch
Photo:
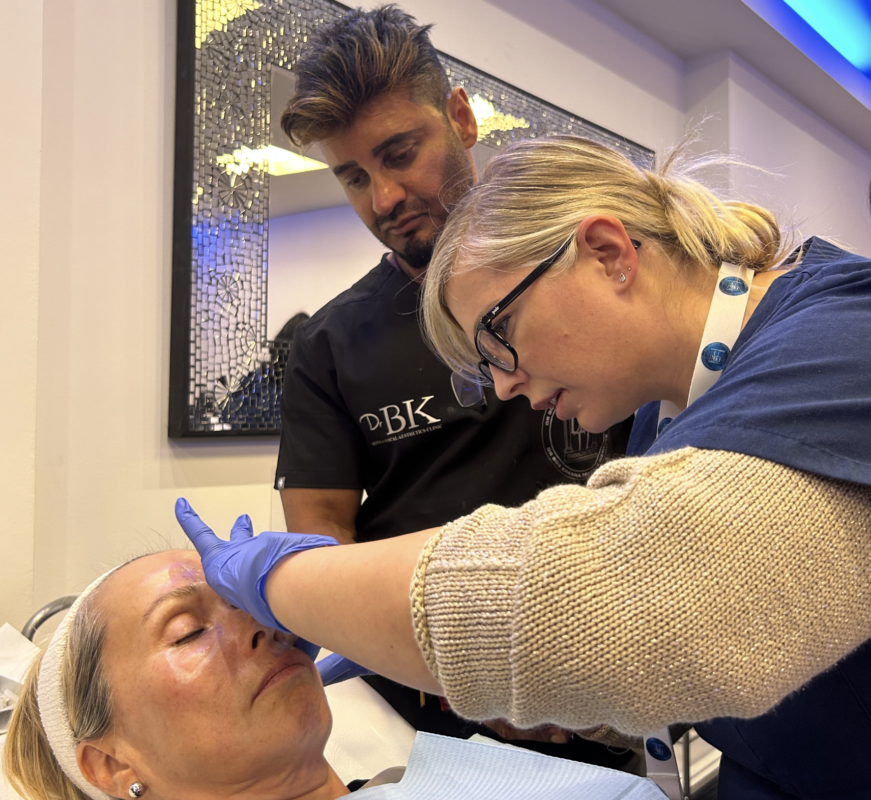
(658, 749)
(733, 286)
(715, 356)
(664, 423)
(576, 453)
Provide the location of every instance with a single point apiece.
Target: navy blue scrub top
(796, 391)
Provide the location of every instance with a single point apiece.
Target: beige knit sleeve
(678, 587)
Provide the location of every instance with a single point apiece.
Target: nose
(256, 635)
(508, 384)
(270, 637)
(386, 195)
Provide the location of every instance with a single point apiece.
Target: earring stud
(622, 278)
(136, 789)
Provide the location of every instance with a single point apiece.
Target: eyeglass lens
(494, 351)
(467, 392)
(486, 374)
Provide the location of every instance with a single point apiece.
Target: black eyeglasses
(491, 345)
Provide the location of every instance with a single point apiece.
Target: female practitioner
(722, 576)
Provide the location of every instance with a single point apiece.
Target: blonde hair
(535, 193)
(30, 764)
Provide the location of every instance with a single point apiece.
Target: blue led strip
(844, 24)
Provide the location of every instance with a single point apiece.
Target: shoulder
(800, 308)
(823, 267)
(377, 292)
(796, 387)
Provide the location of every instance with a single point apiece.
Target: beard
(417, 253)
(456, 181)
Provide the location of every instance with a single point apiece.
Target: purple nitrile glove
(335, 669)
(237, 570)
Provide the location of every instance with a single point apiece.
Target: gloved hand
(237, 570)
(335, 669)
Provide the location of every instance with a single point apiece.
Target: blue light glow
(844, 24)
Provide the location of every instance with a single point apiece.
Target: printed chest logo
(395, 422)
(576, 453)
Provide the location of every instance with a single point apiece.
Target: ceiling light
(275, 160)
(490, 119)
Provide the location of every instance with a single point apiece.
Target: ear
(604, 239)
(101, 767)
(462, 118)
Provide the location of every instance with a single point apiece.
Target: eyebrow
(189, 590)
(377, 150)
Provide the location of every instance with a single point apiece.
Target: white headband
(53, 707)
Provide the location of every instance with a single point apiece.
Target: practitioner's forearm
(355, 601)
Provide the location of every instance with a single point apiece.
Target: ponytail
(534, 193)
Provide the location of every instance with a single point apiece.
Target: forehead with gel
(132, 589)
(186, 681)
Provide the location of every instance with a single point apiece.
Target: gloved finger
(202, 536)
(335, 669)
(242, 528)
(307, 647)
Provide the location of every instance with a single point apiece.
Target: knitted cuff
(449, 611)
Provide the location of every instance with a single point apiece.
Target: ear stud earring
(136, 789)
(622, 278)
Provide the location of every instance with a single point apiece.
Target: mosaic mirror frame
(225, 376)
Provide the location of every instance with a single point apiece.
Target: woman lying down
(152, 685)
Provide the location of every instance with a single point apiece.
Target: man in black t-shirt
(366, 406)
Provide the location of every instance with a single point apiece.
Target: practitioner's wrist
(282, 584)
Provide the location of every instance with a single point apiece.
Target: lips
(404, 225)
(548, 402)
(296, 659)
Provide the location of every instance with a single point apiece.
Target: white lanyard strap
(661, 763)
(722, 329)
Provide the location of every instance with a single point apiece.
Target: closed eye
(190, 636)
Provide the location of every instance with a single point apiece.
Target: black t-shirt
(366, 405)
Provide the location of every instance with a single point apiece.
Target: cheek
(187, 663)
(200, 675)
(362, 205)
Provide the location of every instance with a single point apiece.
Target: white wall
(88, 474)
(314, 256)
(824, 176)
(21, 112)
(817, 178)
(572, 53)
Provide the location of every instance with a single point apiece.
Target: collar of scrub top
(722, 328)
(721, 331)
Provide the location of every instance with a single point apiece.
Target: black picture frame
(225, 376)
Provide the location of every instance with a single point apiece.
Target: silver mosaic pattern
(234, 372)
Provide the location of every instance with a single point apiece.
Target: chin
(592, 423)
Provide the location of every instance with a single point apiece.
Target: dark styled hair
(359, 57)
